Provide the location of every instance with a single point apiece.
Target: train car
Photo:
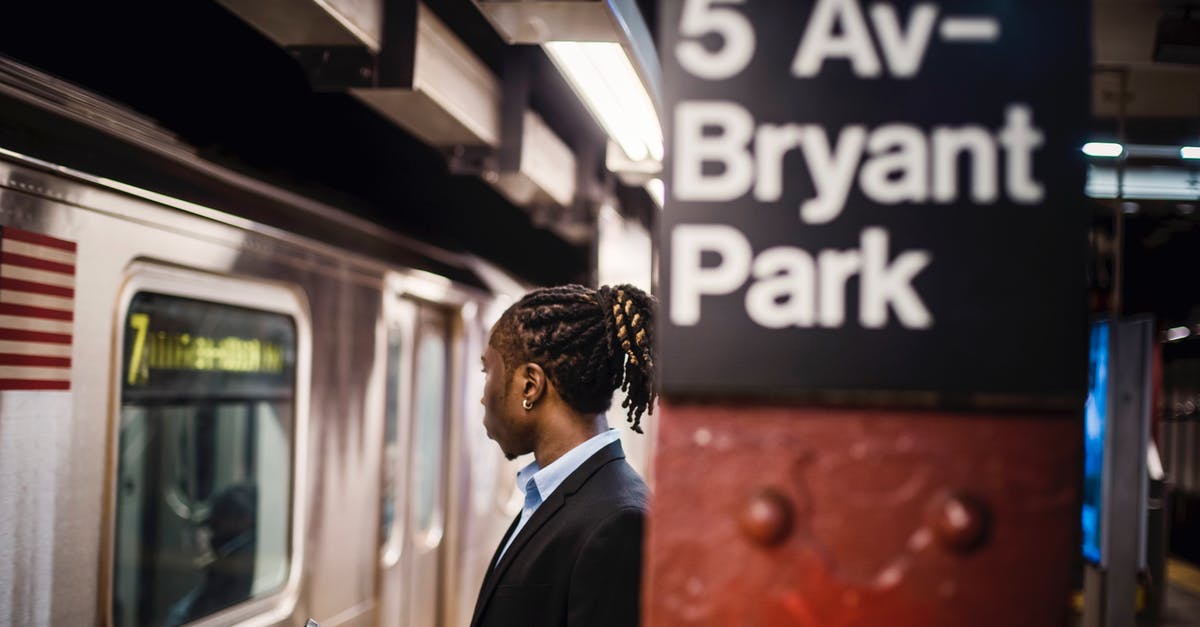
(208, 419)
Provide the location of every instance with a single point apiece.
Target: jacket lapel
(544, 512)
(503, 541)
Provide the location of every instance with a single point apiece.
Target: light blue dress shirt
(540, 482)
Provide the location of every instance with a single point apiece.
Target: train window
(204, 484)
(429, 430)
(391, 454)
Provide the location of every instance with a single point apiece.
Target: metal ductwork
(291, 23)
(406, 64)
(546, 170)
(443, 94)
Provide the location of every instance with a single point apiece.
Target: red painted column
(827, 245)
(838, 517)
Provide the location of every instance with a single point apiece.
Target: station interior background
(197, 71)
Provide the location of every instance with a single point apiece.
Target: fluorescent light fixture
(1175, 334)
(1103, 149)
(1143, 183)
(600, 72)
(657, 191)
(1190, 152)
(424, 285)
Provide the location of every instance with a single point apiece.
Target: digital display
(179, 346)
(183, 351)
(1095, 419)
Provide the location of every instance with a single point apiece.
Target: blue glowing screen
(1095, 417)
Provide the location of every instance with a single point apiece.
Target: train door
(419, 342)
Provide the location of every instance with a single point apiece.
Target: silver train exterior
(379, 496)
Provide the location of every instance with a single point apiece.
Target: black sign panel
(874, 197)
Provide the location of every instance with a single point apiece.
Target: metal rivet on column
(961, 522)
(766, 517)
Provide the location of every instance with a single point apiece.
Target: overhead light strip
(1108, 150)
(1103, 149)
(657, 191)
(600, 72)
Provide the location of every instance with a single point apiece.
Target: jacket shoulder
(614, 486)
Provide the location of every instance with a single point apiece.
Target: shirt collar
(549, 478)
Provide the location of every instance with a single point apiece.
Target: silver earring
(526, 404)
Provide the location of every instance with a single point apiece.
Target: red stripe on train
(37, 238)
(9, 359)
(33, 384)
(17, 285)
(34, 262)
(9, 309)
(21, 335)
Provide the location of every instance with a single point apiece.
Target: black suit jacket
(577, 562)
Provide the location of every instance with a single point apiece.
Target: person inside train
(573, 555)
(229, 574)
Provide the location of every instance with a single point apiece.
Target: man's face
(504, 419)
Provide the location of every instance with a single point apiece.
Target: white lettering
(1019, 139)
(690, 280)
(884, 284)
(899, 166)
(784, 293)
(820, 42)
(787, 288)
(904, 53)
(835, 267)
(832, 172)
(894, 163)
(700, 18)
(771, 143)
(693, 149)
(948, 143)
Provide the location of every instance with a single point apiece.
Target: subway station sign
(874, 197)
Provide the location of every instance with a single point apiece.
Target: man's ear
(533, 382)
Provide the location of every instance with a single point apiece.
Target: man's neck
(565, 434)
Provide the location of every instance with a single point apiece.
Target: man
(229, 573)
(572, 558)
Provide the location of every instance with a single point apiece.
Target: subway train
(209, 419)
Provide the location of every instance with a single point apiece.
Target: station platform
(1181, 601)
(1182, 608)
(1182, 605)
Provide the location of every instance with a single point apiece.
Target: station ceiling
(1162, 99)
(242, 101)
(209, 78)
(1161, 238)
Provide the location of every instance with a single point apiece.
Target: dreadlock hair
(589, 343)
